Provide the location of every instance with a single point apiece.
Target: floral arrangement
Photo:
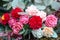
(30, 19)
(38, 22)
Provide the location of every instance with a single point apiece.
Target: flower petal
(37, 33)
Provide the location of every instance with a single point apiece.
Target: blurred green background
(1, 7)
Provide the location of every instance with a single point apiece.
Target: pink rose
(51, 21)
(31, 10)
(17, 27)
(11, 22)
(24, 19)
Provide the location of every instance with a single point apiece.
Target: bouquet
(30, 22)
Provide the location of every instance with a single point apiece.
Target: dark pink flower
(17, 27)
(51, 21)
(11, 22)
(24, 19)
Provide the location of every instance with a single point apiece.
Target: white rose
(32, 10)
(42, 14)
(37, 33)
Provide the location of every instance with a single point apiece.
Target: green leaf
(5, 38)
(47, 2)
(55, 5)
(9, 6)
(41, 7)
(22, 31)
(26, 32)
(1, 28)
(18, 3)
(4, 5)
(12, 38)
(57, 29)
(6, 0)
(26, 26)
(38, 1)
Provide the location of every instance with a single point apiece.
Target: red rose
(5, 18)
(14, 12)
(4, 22)
(35, 22)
